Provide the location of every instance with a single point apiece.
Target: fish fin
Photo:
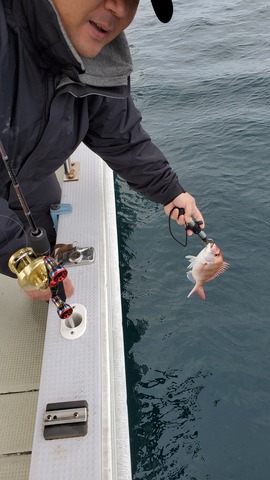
(222, 269)
(190, 277)
(191, 259)
(199, 290)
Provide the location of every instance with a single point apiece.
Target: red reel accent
(66, 311)
(58, 275)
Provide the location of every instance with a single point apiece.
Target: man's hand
(46, 294)
(187, 202)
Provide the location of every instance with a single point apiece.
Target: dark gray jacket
(51, 100)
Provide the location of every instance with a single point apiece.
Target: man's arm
(117, 136)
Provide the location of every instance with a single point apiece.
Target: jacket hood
(111, 67)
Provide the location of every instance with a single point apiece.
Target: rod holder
(74, 326)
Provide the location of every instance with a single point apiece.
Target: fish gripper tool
(195, 226)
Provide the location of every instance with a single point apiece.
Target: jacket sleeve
(116, 135)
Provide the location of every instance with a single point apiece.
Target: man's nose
(119, 8)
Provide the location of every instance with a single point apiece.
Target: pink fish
(206, 266)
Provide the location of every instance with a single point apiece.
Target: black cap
(163, 9)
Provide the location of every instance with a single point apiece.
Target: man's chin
(89, 53)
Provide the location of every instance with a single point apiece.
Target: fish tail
(199, 290)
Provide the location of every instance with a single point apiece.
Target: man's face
(91, 24)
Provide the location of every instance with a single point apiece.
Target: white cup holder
(74, 326)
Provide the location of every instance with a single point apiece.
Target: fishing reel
(39, 273)
(30, 269)
(36, 271)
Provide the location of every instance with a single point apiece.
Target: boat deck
(23, 325)
(39, 367)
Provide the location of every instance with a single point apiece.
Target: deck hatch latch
(65, 420)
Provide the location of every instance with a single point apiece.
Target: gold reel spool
(30, 269)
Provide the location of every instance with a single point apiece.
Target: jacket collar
(112, 67)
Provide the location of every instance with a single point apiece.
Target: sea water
(198, 372)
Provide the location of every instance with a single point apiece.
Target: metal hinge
(65, 420)
(73, 255)
(71, 171)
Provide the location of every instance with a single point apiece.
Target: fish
(208, 264)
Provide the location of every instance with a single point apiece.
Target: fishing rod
(38, 236)
(38, 272)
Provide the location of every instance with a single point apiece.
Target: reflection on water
(166, 434)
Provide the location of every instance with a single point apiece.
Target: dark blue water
(198, 372)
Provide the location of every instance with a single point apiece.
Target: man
(64, 79)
